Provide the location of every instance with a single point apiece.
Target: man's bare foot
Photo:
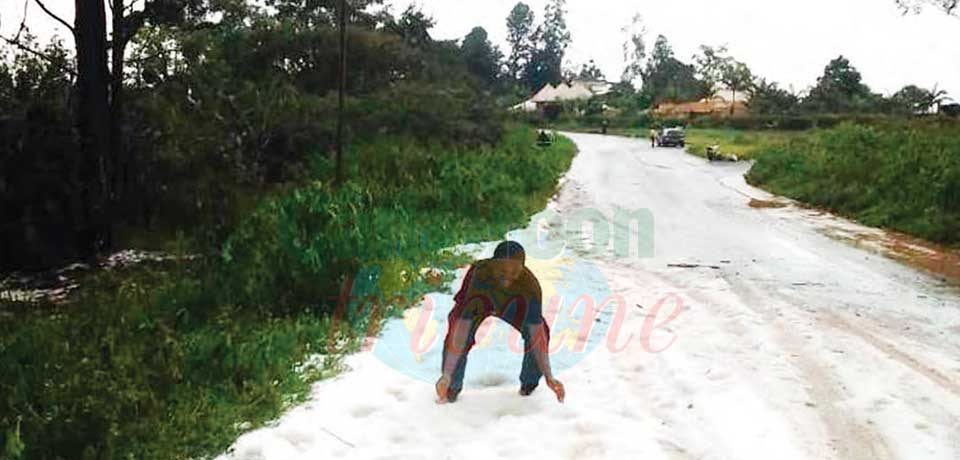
(557, 388)
(443, 385)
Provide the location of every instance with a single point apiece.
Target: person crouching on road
(505, 288)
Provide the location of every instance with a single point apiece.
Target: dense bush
(790, 122)
(904, 176)
(411, 201)
(214, 115)
(37, 194)
(156, 371)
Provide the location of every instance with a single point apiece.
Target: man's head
(511, 257)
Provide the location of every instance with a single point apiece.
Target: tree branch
(54, 16)
(132, 23)
(37, 54)
(23, 23)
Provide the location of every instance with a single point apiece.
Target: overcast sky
(786, 41)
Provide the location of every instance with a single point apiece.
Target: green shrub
(789, 122)
(796, 124)
(409, 201)
(136, 373)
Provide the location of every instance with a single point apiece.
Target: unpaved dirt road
(792, 343)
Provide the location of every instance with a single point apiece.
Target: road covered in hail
(693, 317)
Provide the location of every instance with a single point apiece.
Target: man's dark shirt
(482, 295)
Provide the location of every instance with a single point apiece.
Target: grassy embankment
(744, 144)
(902, 176)
(173, 361)
(898, 175)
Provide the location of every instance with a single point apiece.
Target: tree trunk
(342, 90)
(733, 103)
(121, 165)
(93, 125)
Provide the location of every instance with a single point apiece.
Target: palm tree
(937, 98)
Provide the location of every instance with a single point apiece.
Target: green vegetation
(166, 361)
(205, 128)
(743, 144)
(903, 176)
(536, 57)
(215, 114)
(620, 125)
(210, 137)
(654, 76)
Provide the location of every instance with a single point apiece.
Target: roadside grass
(903, 176)
(744, 144)
(175, 360)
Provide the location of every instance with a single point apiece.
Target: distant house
(553, 95)
(950, 110)
(718, 105)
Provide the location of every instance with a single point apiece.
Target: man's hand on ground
(557, 388)
(442, 386)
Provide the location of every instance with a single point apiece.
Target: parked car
(672, 137)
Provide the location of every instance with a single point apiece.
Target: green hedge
(800, 122)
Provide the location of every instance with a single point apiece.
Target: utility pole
(343, 89)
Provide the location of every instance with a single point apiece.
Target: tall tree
(624, 96)
(552, 39)
(413, 26)
(94, 126)
(738, 78)
(311, 14)
(634, 50)
(126, 21)
(914, 99)
(520, 32)
(767, 98)
(590, 71)
(665, 78)
(840, 89)
(101, 67)
(710, 64)
(715, 67)
(125, 24)
(662, 52)
(481, 57)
